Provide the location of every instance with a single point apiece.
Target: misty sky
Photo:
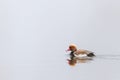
(89, 24)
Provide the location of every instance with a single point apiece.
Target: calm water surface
(58, 67)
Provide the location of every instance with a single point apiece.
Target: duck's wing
(88, 52)
(82, 51)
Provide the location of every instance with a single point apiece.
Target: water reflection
(72, 60)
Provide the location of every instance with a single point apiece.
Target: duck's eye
(71, 48)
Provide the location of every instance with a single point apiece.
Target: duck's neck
(75, 50)
(71, 54)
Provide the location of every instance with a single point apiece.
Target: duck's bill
(67, 50)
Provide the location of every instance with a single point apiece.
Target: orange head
(72, 48)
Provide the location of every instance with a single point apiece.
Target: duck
(79, 52)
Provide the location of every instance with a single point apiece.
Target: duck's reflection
(72, 61)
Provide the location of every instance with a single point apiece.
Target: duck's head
(72, 47)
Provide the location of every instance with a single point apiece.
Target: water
(58, 67)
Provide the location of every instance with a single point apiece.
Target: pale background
(35, 33)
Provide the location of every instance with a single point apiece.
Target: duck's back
(82, 51)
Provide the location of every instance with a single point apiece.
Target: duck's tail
(91, 54)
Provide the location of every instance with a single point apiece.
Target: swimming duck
(79, 52)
